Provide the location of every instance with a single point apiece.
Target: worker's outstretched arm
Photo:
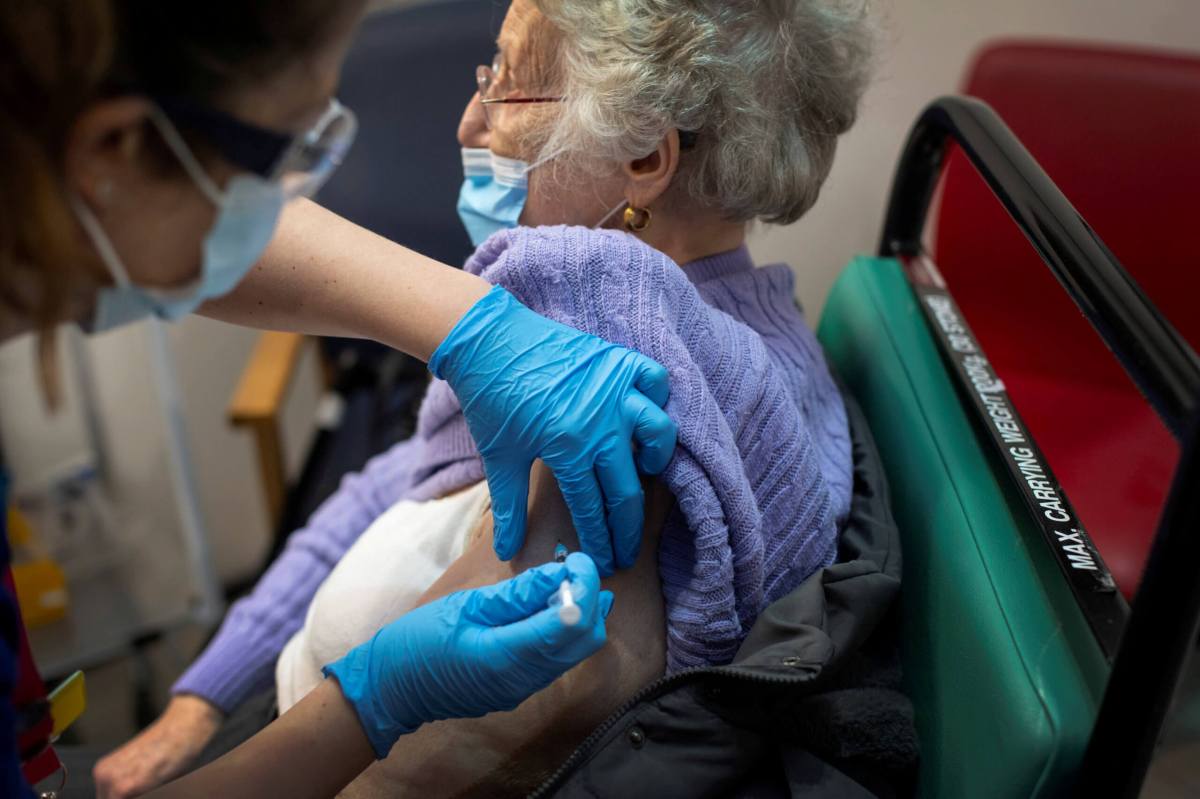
(463, 656)
(530, 388)
(326, 276)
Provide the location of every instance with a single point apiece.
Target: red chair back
(1118, 130)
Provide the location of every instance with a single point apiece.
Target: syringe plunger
(568, 610)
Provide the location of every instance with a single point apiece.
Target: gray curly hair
(768, 86)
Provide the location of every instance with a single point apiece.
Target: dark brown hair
(57, 56)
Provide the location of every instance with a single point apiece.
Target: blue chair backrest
(408, 77)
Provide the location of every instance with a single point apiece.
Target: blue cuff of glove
(353, 673)
(475, 322)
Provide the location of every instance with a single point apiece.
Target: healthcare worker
(155, 158)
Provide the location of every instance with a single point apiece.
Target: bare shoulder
(510, 753)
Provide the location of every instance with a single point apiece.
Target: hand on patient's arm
(159, 753)
(533, 389)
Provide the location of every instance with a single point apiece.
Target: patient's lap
(510, 753)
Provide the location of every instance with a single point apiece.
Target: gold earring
(637, 219)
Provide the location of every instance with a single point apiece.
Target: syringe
(568, 611)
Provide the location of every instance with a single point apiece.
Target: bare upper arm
(508, 751)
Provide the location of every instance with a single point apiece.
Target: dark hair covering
(200, 50)
(57, 56)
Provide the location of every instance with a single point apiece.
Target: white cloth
(377, 581)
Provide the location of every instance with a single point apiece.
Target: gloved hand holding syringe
(475, 652)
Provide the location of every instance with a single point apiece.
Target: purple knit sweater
(761, 478)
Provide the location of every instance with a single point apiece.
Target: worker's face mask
(494, 193)
(247, 212)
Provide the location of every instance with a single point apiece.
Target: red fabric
(38, 758)
(41, 764)
(1118, 130)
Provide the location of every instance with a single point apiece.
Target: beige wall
(926, 46)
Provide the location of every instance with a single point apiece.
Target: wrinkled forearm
(313, 750)
(324, 275)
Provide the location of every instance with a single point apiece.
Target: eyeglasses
(485, 77)
(315, 154)
(300, 162)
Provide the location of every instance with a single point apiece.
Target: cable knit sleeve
(240, 659)
(754, 512)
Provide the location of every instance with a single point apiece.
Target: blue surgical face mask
(494, 193)
(247, 212)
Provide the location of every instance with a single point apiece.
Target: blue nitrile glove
(533, 388)
(472, 652)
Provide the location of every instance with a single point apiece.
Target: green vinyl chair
(1030, 675)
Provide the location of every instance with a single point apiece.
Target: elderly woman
(677, 125)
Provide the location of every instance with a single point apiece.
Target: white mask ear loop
(513, 172)
(184, 153)
(100, 240)
(616, 210)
